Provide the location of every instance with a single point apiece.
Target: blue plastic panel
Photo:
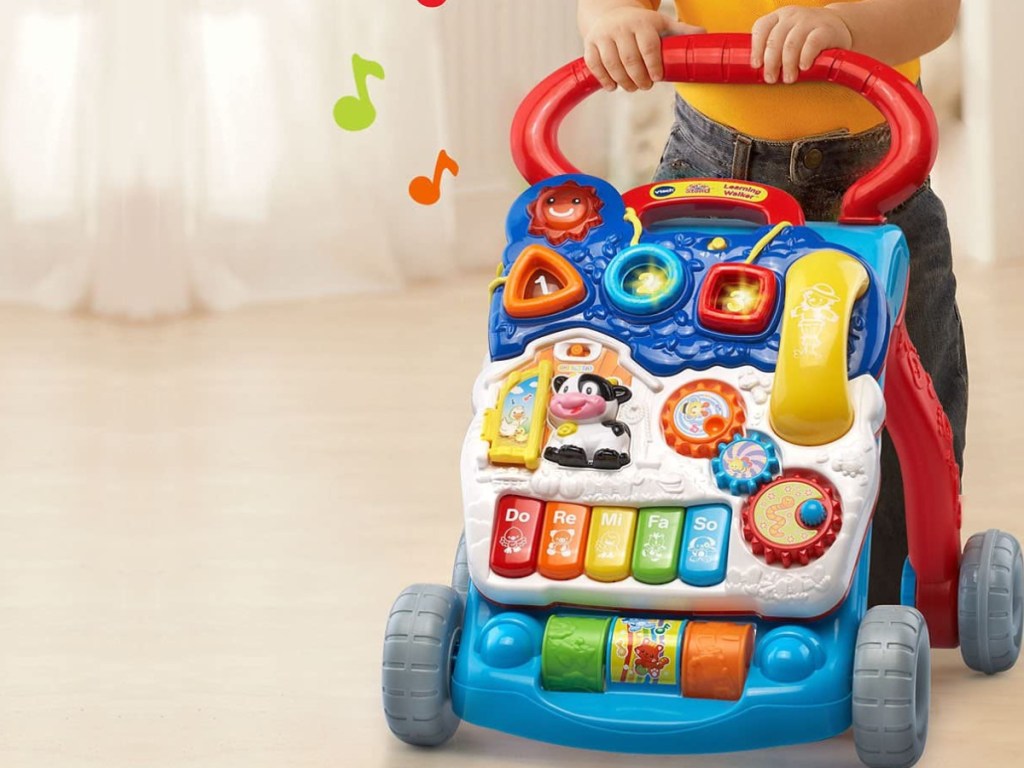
(670, 339)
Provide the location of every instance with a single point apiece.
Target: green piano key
(659, 531)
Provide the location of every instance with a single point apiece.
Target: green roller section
(656, 551)
(572, 655)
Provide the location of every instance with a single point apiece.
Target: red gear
(773, 551)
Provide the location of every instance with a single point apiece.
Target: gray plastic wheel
(419, 647)
(891, 687)
(991, 602)
(460, 570)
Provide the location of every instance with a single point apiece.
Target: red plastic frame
(923, 440)
(725, 58)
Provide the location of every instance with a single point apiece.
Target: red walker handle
(725, 58)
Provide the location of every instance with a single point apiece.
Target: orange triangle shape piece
(542, 283)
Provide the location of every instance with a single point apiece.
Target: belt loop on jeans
(741, 156)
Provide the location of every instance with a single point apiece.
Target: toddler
(812, 140)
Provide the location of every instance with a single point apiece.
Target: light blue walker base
(797, 691)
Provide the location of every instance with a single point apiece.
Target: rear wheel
(891, 687)
(420, 643)
(991, 602)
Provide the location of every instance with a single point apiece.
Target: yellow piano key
(610, 545)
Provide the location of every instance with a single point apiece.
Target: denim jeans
(817, 171)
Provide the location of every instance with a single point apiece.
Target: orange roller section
(716, 657)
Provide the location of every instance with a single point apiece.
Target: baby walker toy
(672, 468)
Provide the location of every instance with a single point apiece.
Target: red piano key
(514, 543)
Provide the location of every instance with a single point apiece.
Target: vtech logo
(663, 191)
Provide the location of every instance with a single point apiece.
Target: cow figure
(583, 412)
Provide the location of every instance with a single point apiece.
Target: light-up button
(646, 279)
(563, 541)
(738, 298)
(705, 545)
(517, 523)
(610, 544)
(541, 283)
(656, 551)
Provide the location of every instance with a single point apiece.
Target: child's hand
(790, 39)
(623, 47)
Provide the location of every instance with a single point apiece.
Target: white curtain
(162, 155)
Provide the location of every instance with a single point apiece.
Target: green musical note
(357, 113)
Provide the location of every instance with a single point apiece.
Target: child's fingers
(759, 38)
(592, 56)
(649, 43)
(791, 51)
(813, 46)
(773, 50)
(613, 63)
(633, 61)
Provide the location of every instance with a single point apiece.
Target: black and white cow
(583, 410)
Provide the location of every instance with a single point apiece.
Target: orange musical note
(357, 113)
(427, 191)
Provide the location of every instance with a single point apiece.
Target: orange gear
(771, 520)
(702, 415)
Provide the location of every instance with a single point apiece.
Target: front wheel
(420, 643)
(991, 602)
(891, 687)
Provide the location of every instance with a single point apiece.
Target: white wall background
(991, 163)
(165, 155)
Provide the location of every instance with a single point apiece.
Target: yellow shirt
(774, 112)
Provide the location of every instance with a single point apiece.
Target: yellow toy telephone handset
(810, 401)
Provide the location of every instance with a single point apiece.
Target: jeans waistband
(838, 156)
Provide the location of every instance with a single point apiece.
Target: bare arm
(896, 31)
(622, 41)
(589, 12)
(893, 31)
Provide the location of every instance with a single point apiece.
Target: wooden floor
(203, 525)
